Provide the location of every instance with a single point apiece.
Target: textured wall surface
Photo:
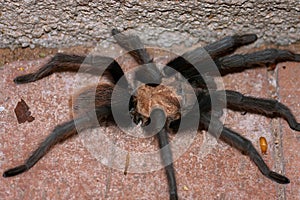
(62, 23)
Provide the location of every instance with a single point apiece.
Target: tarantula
(156, 106)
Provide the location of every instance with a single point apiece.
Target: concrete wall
(64, 23)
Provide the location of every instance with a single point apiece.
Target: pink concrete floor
(69, 171)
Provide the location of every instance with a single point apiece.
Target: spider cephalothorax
(161, 106)
(167, 97)
(148, 97)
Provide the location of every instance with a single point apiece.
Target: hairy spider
(154, 105)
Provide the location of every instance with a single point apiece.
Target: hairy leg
(60, 134)
(72, 63)
(225, 46)
(245, 146)
(239, 62)
(229, 44)
(157, 118)
(217, 51)
(268, 107)
(133, 44)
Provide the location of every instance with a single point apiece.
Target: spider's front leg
(244, 145)
(228, 64)
(158, 118)
(148, 74)
(240, 62)
(72, 63)
(184, 63)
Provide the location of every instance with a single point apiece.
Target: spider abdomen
(90, 97)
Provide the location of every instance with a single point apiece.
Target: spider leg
(217, 49)
(239, 62)
(228, 64)
(229, 44)
(158, 117)
(268, 107)
(60, 134)
(72, 63)
(245, 146)
(166, 155)
(133, 44)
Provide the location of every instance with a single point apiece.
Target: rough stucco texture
(68, 23)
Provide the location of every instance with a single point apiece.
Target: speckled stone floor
(69, 170)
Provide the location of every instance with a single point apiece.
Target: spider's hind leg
(245, 146)
(60, 134)
(64, 130)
